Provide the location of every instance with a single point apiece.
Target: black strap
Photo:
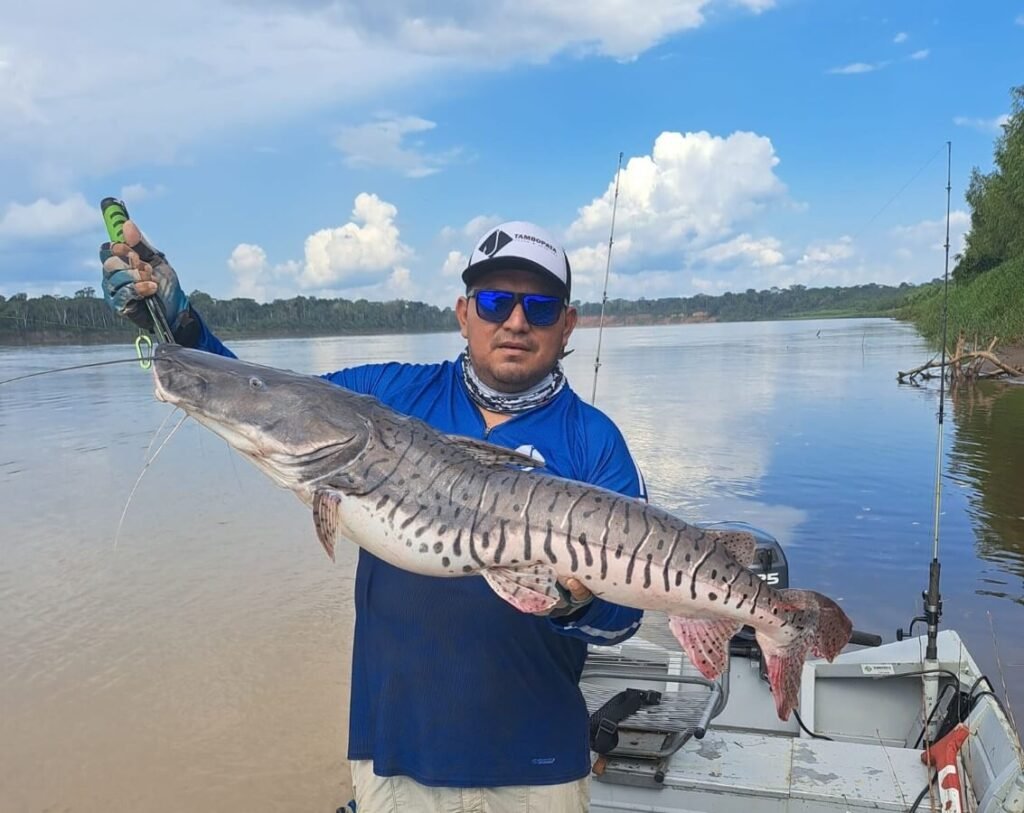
(604, 723)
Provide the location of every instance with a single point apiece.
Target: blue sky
(359, 149)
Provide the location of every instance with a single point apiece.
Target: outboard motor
(769, 563)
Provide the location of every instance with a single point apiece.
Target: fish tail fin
(826, 630)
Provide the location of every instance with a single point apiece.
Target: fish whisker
(124, 513)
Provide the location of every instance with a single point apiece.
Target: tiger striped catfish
(447, 506)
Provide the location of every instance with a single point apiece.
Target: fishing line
(117, 534)
(159, 429)
(66, 369)
(903, 189)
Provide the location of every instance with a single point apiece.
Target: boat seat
(649, 660)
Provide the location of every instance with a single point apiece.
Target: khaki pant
(400, 794)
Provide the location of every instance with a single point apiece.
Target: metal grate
(650, 661)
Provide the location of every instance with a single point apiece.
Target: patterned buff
(510, 403)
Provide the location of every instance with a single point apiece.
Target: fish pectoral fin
(706, 641)
(740, 545)
(490, 455)
(530, 589)
(326, 515)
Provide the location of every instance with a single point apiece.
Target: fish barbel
(447, 506)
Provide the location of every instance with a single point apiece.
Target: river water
(198, 659)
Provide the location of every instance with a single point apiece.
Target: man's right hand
(134, 270)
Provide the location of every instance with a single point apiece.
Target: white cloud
(931, 234)
(248, 264)
(858, 67)
(364, 257)
(137, 192)
(1020, 19)
(900, 37)
(687, 195)
(256, 62)
(454, 264)
(819, 255)
(46, 219)
(757, 252)
(382, 143)
(993, 125)
(922, 54)
(362, 252)
(474, 229)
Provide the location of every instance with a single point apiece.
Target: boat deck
(745, 772)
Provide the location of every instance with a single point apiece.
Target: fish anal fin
(706, 641)
(326, 516)
(490, 455)
(740, 545)
(530, 589)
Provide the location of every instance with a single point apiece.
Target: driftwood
(964, 365)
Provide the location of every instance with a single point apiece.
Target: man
(460, 702)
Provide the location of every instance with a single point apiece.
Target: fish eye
(255, 383)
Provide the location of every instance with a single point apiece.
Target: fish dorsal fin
(740, 545)
(326, 513)
(490, 455)
(530, 588)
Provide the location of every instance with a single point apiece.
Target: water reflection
(988, 457)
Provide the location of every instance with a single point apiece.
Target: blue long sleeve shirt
(451, 685)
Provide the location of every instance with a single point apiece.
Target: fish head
(296, 428)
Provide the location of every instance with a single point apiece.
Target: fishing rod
(607, 270)
(932, 597)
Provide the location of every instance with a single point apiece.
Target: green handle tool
(115, 213)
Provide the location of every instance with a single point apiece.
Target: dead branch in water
(964, 365)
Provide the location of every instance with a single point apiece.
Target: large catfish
(449, 506)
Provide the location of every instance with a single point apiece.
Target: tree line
(85, 318)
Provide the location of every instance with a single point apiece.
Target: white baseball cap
(519, 246)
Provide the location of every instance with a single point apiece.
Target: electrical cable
(807, 731)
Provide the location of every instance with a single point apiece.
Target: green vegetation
(992, 305)
(997, 202)
(986, 299)
(86, 318)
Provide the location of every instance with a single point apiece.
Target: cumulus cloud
(364, 254)
(918, 55)
(687, 195)
(993, 125)
(900, 37)
(254, 62)
(363, 251)
(44, 219)
(382, 143)
(454, 264)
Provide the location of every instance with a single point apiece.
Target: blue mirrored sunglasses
(496, 306)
